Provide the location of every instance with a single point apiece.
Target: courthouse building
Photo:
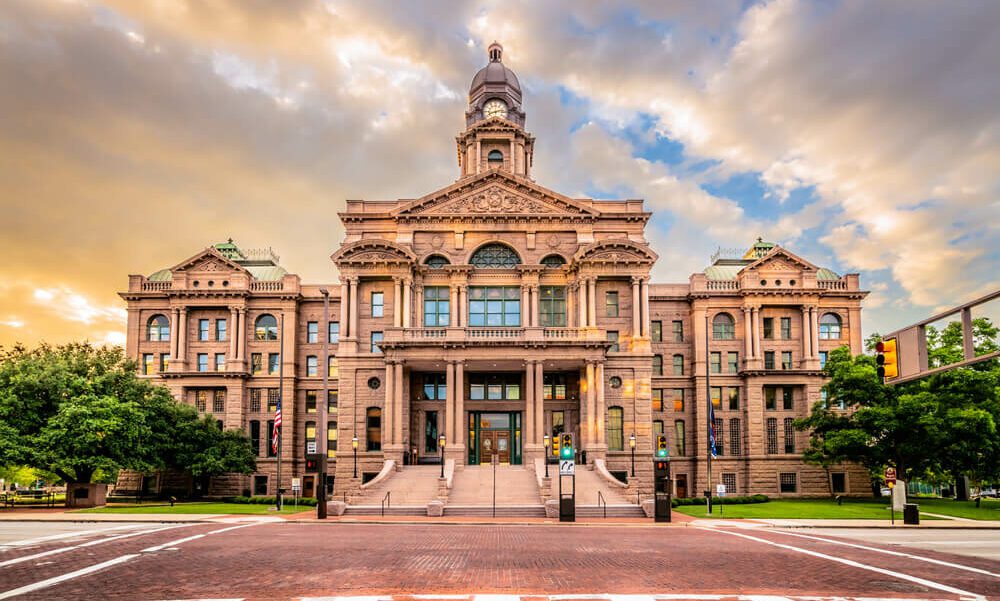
(494, 312)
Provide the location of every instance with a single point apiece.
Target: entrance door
(682, 486)
(490, 442)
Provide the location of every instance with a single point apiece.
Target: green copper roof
(759, 249)
(266, 272)
(230, 250)
(726, 265)
(262, 264)
(825, 274)
(162, 275)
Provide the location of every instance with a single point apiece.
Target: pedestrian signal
(886, 358)
(566, 446)
(661, 446)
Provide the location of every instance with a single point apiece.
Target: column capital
(637, 279)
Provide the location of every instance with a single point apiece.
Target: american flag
(711, 427)
(277, 427)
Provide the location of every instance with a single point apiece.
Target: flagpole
(281, 394)
(708, 431)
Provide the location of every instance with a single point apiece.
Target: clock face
(495, 108)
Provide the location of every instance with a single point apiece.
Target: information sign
(567, 467)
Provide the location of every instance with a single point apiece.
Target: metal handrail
(602, 501)
(386, 501)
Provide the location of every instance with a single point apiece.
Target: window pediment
(373, 252)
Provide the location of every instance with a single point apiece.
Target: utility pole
(281, 394)
(708, 414)
(323, 410)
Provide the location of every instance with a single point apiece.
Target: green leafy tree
(82, 413)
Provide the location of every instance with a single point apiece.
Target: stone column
(747, 335)
(345, 330)
(388, 410)
(570, 304)
(458, 442)
(755, 326)
(453, 305)
(806, 335)
(590, 439)
(601, 409)
(397, 302)
(636, 308)
(535, 305)
(354, 308)
(815, 332)
(645, 307)
(525, 309)
(463, 304)
(420, 306)
(449, 403)
(479, 155)
(592, 304)
(182, 335)
(539, 403)
(175, 331)
(397, 404)
(407, 302)
(529, 404)
(233, 325)
(581, 287)
(241, 345)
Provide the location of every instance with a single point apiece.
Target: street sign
(567, 467)
(311, 446)
(720, 490)
(890, 476)
(296, 484)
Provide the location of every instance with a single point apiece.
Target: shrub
(720, 500)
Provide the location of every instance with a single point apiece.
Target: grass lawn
(198, 507)
(989, 509)
(854, 509)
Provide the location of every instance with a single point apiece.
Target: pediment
(617, 250)
(208, 261)
(373, 252)
(780, 259)
(496, 194)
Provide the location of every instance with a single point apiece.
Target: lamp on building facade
(441, 446)
(354, 446)
(631, 445)
(545, 454)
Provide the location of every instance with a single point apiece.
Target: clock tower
(494, 137)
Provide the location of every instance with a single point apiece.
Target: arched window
(495, 256)
(553, 261)
(266, 327)
(436, 261)
(158, 329)
(495, 156)
(616, 433)
(829, 327)
(373, 429)
(723, 327)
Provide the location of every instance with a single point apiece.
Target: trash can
(911, 513)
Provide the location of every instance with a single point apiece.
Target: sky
(863, 136)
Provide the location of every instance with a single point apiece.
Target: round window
(615, 382)
(374, 383)
(777, 282)
(791, 282)
(763, 282)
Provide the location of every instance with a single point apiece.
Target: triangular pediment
(496, 193)
(208, 260)
(780, 259)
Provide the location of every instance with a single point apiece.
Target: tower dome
(496, 89)
(495, 73)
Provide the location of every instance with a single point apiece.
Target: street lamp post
(631, 444)
(323, 409)
(441, 442)
(545, 454)
(354, 447)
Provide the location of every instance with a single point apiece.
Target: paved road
(290, 560)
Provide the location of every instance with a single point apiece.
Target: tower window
(495, 156)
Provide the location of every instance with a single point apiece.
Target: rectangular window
(823, 355)
(201, 400)
(680, 447)
(312, 367)
(373, 429)
(715, 362)
(554, 387)
(431, 432)
(720, 435)
(435, 387)
(260, 485)
(789, 435)
(332, 400)
(494, 306)
(147, 364)
(678, 365)
(734, 399)
(786, 328)
(678, 399)
(164, 362)
(838, 482)
(786, 359)
(202, 361)
(477, 392)
(788, 398)
(220, 330)
(616, 431)
(717, 397)
(273, 363)
(437, 306)
(733, 361)
(735, 440)
(378, 304)
(255, 436)
(656, 328)
(255, 400)
(770, 396)
(729, 481)
(657, 427)
(376, 341)
(788, 482)
(203, 330)
(331, 440)
(311, 401)
(270, 437)
(678, 331)
(219, 401)
(332, 368)
(333, 332)
(768, 359)
(272, 399)
(552, 306)
(494, 387)
(823, 398)
(772, 436)
(657, 396)
(613, 339)
(768, 327)
(256, 363)
(657, 365)
(611, 303)
(312, 332)
(494, 392)
(220, 362)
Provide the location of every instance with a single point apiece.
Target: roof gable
(780, 259)
(209, 259)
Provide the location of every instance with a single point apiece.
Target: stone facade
(495, 312)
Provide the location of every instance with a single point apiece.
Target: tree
(81, 411)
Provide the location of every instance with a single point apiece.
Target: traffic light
(566, 446)
(886, 358)
(661, 446)
(315, 463)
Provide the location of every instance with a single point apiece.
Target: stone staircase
(620, 504)
(473, 486)
(410, 490)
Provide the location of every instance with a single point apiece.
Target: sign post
(720, 491)
(890, 481)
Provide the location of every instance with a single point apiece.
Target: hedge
(721, 500)
(305, 501)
